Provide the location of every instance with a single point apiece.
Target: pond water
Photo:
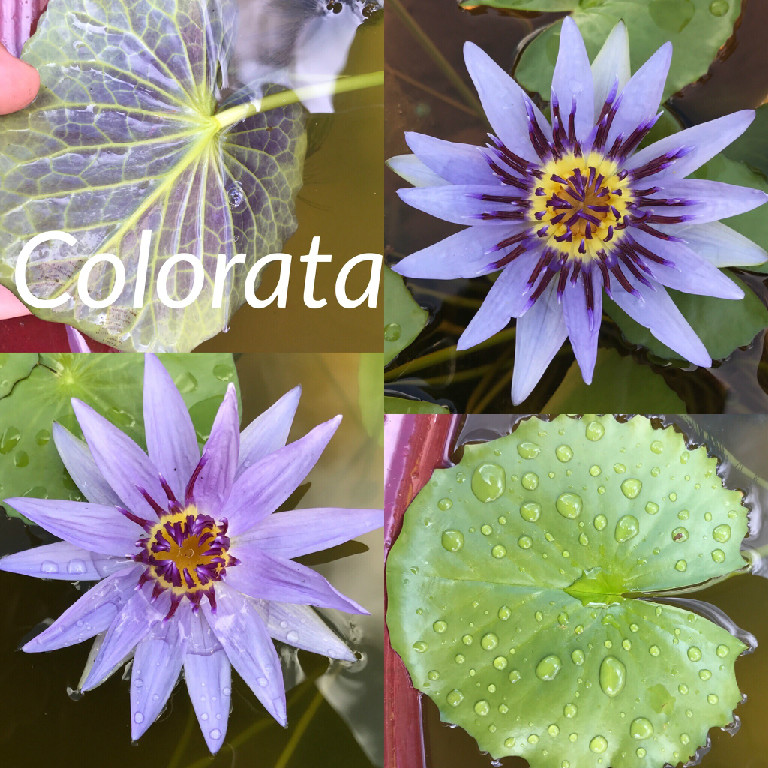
(739, 443)
(421, 96)
(331, 709)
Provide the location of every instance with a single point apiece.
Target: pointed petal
(82, 468)
(459, 204)
(719, 244)
(413, 170)
(611, 65)
(506, 299)
(90, 615)
(456, 163)
(91, 526)
(541, 332)
(62, 561)
(690, 272)
(121, 462)
(469, 253)
(76, 340)
(572, 80)
(504, 102)
(300, 626)
(302, 531)
(269, 431)
(704, 141)
(134, 622)
(10, 306)
(171, 439)
(220, 457)
(654, 309)
(261, 489)
(272, 578)
(641, 97)
(242, 633)
(577, 321)
(209, 682)
(708, 200)
(155, 671)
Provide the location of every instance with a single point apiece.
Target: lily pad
(722, 324)
(513, 593)
(112, 384)
(129, 133)
(404, 405)
(524, 5)
(697, 29)
(403, 317)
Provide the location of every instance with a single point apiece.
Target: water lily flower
(570, 208)
(194, 569)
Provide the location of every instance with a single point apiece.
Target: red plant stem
(414, 446)
(18, 20)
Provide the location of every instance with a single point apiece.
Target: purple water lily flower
(194, 569)
(568, 209)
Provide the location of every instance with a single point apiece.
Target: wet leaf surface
(403, 317)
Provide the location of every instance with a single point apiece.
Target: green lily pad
(130, 133)
(751, 147)
(723, 325)
(697, 29)
(524, 5)
(112, 384)
(513, 594)
(404, 405)
(619, 385)
(403, 317)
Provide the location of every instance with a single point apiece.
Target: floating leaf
(127, 135)
(403, 317)
(723, 325)
(524, 5)
(512, 593)
(112, 384)
(697, 29)
(404, 405)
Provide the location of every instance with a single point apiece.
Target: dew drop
(613, 675)
(718, 7)
(77, 566)
(654, 650)
(528, 450)
(503, 708)
(138, 718)
(694, 653)
(682, 688)
(530, 511)
(504, 613)
(598, 744)
(488, 482)
(651, 508)
(564, 453)
(444, 505)
(530, 481)
(548, 667)
(453, 541)
(722, 651)
(684, 738)
(43, 437)
(440, 626)
(433, 674)
(722, 533)
(482, 708)
(392, 331)
(204, 716)
(510, 742)
(594, 431)
(631, 488)
(569, 505)
(600, 522)
(681, 565)
(705, 674)
(577, 657)
(514, 676)
(419, 646)
(657, 446)
(455, 697)
(486, 530)
(498, 551)
(553, 730)
(570, 711)
(594, 470)
(525, 542)
(718, 555)
(712, 698)
(21, 459)
(467, 639)
(641, 728)
(533, 739)
(489, 641)
(626, 528)
(459, 658)
(215, 734)
(48, 566)
(500, 662)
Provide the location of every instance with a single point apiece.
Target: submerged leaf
(512, 593)
(126, 136)
(112, 384)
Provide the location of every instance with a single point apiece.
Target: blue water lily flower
(194, 569)
(569, 209)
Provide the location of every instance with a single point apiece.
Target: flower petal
(506, 299)
(583, 331)
(302, 531)
(242, 633)
(62, 561)
(121, 462)
(456, 163)
(719, 244)
(155, 671)
(90, 615)
(209, 682)
(459, 204)
(572, 80)
(269, 431)
(611, 66)
(10, 306)
(220, 456)
(82, 468)
(300, 626)
(689, 272)
(641, 96)
(413, 170)
(76, 340)
(541, 332)
(171, 439)
(91, 526)
(708, 200)
(469, 253)
(272, 578)
(703, 141)
(132, 624)
(504, 102)
(655, 310)
(266, 485)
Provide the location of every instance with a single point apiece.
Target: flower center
(581, 204)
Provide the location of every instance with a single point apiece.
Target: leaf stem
(234, 115)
